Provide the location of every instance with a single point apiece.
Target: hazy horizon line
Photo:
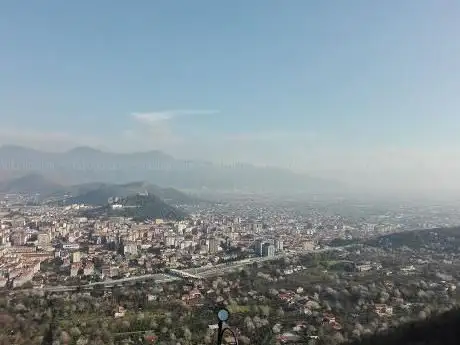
(178, 160)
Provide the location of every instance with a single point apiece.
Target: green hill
(168, 194)
(29, 184)
(92, 193)
(438, 239)
(140, 208)
(98, 194)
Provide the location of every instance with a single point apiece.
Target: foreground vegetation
(315, 299)
(442, 329)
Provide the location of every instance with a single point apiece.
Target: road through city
(203, 272)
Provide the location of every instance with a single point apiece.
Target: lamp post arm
(221, 334)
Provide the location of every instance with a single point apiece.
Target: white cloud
(151, 118)
(156, 116)
(152, 129)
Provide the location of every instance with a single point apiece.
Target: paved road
(205, 272)
(159, 278)
(209, 271)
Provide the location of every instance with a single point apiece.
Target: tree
(384, 296)
(65, 337)
(249, 324)
(187, 334)
(243, 274)
(28, 285)
(244, 340)
(265, 310)
(280, 312)
(276, 328)
(75, 332)
(338, 338)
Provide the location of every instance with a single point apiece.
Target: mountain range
(85, 165)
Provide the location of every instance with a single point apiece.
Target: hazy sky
(367, 91)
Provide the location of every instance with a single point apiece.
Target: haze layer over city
(209, 172)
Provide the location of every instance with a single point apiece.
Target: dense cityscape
(288, 272)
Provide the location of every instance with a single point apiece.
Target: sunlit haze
(364, 92)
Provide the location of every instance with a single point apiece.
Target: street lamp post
(223, 315)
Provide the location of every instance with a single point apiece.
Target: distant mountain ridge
(85, 164)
